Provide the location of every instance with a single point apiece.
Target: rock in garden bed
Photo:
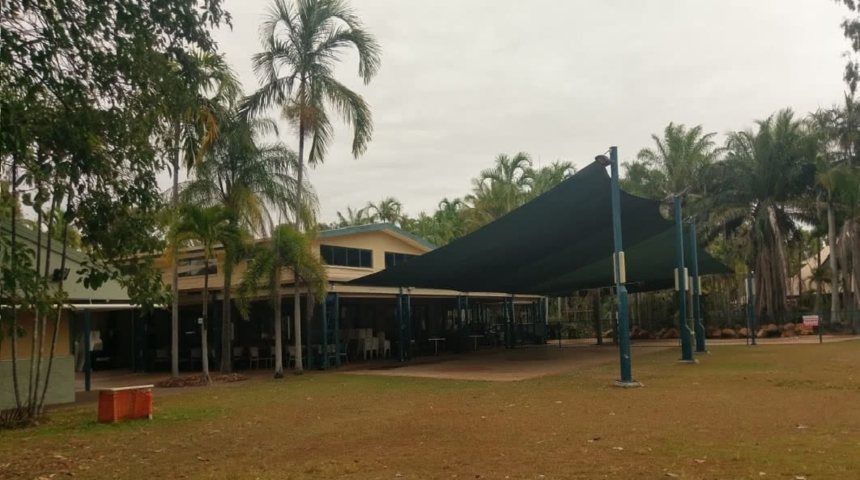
(197, 380)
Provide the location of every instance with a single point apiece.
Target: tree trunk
(226, 325)
(595, 315)
(310, 303)
(855, 259)
(853, 268)
(14, 294)
(834, 272)
(59, 316)
(174, 269)
(297, 326)
(800, 274)
(297, 298)
(34, 339)
(43, 326)
(204, 331)
(818, 279)
(278, 324)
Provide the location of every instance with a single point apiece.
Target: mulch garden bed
(197, 380)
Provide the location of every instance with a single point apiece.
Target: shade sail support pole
(336, 319)
(324, 314)
(623, 326)
(698, 322)
(681, 285)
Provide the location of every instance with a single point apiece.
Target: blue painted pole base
(630, 384)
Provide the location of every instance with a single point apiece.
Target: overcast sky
(464, 80)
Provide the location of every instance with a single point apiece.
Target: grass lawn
(781, 411)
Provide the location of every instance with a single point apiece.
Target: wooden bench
(125, 403)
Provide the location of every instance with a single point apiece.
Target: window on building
(394, 258)
(346, 257)
(192, 267)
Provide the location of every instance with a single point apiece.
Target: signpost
(811, 322)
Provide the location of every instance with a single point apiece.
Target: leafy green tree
(851, 31)
(754, 193)
(302, 42)
(206, 227)
(288, 249)
(249, 179)
(80, 98)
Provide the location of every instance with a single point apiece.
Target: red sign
(810, 321)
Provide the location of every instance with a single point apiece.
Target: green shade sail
(558, 243)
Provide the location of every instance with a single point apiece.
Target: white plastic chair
(383, 346)
(253, 357)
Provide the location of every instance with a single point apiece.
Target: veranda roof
(556, 244)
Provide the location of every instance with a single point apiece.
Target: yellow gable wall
(24, 343)
(377, 241)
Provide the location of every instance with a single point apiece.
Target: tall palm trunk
(174, 271)
(297, 297)
(834, 273)
(279, 344)
(818, 278)
(855, 269)
(226, 325)
(204, 341)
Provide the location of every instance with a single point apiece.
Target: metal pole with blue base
(681, 285)
(401, 328)
(697, 294)
(623, 326)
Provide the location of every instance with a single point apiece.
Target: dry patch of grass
(783, 411)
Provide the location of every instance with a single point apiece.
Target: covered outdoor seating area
(567, 240)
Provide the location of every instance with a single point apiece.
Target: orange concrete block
(125, 403)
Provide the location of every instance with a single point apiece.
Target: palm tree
(353, 217)
(387, 210)
(840, 130)
(206, 227)
(643, 180)
(289, 249)
(303, 42)
(500, 189)
(449, 221)
(247, 178)
(678, 159)
(546, 178)
(202, 88)
(754, 194)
